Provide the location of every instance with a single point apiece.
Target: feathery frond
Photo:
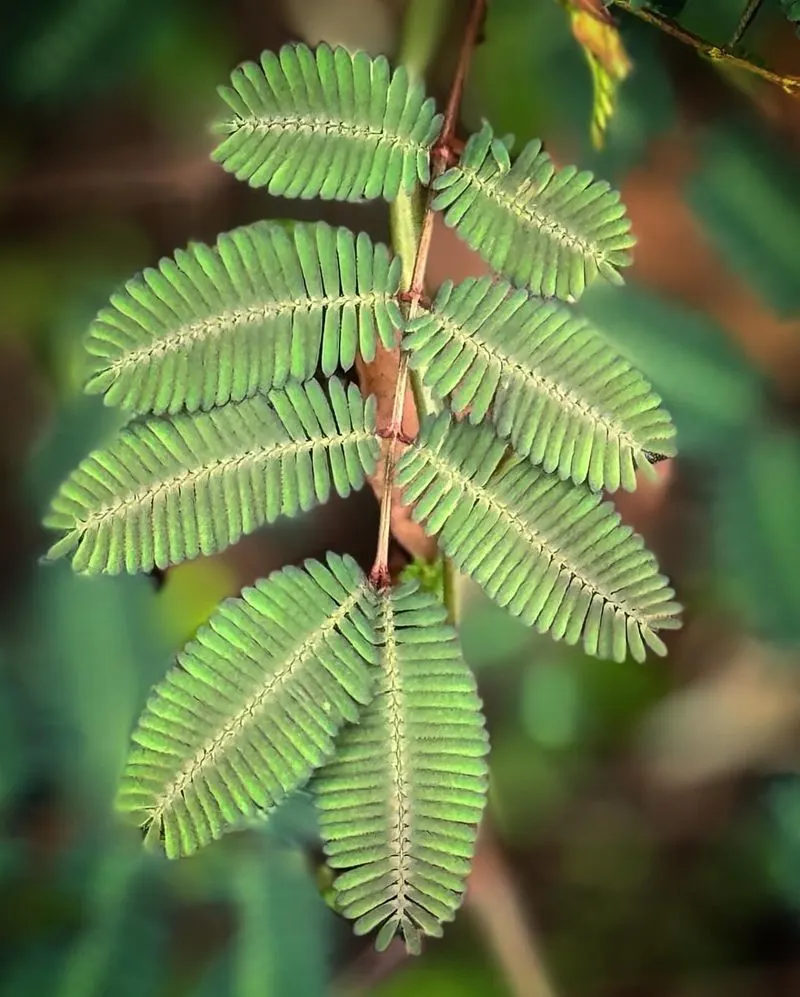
(169, 488)
(327, 123)
(548, 379)
(400, 802)
(261, 307)
(552, 231)
(545, 549)
(253, 704)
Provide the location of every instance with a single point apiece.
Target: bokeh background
(643, 835)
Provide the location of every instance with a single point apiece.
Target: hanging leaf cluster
(230, 362)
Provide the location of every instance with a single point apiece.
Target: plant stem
(745, 21)
(404, 230)
(495, 904)
(790, 84)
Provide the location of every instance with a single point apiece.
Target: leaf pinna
(327, 124)
(553, 231)
(547, 550)
(399, 805)
(169, 488)
(242, 368)
(262, 307)
(549, 382)
(253, 704)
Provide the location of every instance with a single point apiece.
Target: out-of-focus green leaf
(791, 10)
(12, 755)
(747, 196)
(60, 51)
(489, 636)
(529, 785)
(280, 944)
(466, 973)
(191, 593)
(551, 704)
(92, 959)
(527, 43)
(756, 524)
(276, 900)
(783, 857)
(708, 387)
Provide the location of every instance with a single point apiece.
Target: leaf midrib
(528, 534)
(544, 381)
(326, 126)
(216, 325)
(176, 481)
(397, 756)
(512, 201)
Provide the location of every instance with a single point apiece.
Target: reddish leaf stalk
(443, 154)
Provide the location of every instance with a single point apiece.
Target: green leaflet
(545, 549)
(327, 124)
(253, 704)
(170, 488)
(549, 381)
(401, 801)
(552, 231)
(261, 307)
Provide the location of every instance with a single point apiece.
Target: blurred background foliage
(644, 829)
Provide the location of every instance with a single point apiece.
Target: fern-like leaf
(169, 488)
(545, 549)
(549, 381)
(261, 307)
(327, 124)
(552, 231)
(253, 705)
(400, 802)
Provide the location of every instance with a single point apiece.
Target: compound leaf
(327, 123)
(547, 550)
(549, 381)
(551, 230)
(253, 704)
(169, 488)
(261, 307)
(400, 803)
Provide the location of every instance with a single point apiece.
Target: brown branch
(745, 21)
(721, 54)
(131, 181)
(494, 902)
(402, 425)
(379, 378)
